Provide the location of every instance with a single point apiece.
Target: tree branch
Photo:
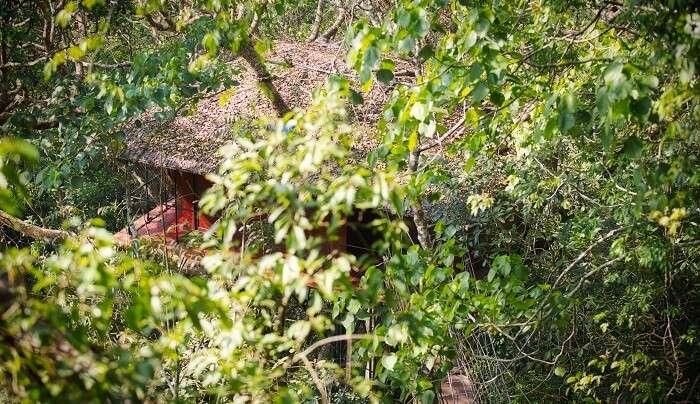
(328, 340)
(155, 24)
(33, 231)
(563, 64)
(457, 128)
(583, 254)
(253, 59)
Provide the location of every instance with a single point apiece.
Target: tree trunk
(326, 36)
(253, 59)
(33, 231)
(82, 30)
(317, 22)
(419, 216)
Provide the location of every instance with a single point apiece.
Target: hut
(181, 151)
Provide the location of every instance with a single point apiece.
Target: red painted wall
(188, 190)
(181, 215)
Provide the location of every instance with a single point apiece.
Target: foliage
(547, 154)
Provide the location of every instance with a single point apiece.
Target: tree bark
(33, 231)
(82, 31)
(253, 59)
(419, 216)
(330, 33)
(254, 23)
(317, 22)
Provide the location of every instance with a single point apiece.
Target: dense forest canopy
(532, 196)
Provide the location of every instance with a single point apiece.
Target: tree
(547, 153)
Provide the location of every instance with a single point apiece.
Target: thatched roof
(190, 143)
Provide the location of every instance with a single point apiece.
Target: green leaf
(559, 371)
(491, 274)
(603, 102)
(370, 59)
(92, 3)
(389, 361)
(20, 147)
(607, 136)
(632, 147)
(613, 73)
(502, 264)
(413, 141)
(479, 93)
(650, 81)
(76, 53)
(419, 111)
(472, 117)
(299, 330)
(109, 105)
(385, 75)
(482, 26)
(64, 16)
(355, 97)
(427, 397)
(471, 40)
(469, 164)
(354, 306)
(567, 102)
(549, 129)
(211, 41)
(497, 98)
(565, 121)
(397, 334)
(427, 129)
(475, 71)
(641, 107)
(426, 52)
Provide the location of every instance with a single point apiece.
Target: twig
(583, 255)
(329, 340)
(317, 380)
(591, 273)
(303, 356)
(457, 128)
(571, 63)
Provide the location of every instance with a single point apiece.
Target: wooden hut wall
(189, 188)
